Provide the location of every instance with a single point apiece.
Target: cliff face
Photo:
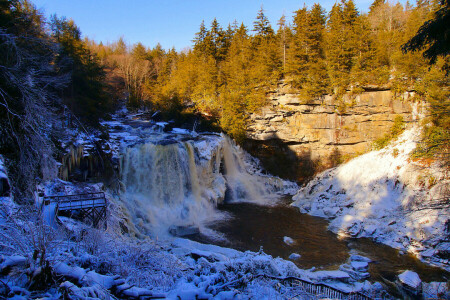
(296, 137)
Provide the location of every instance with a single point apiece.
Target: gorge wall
(295, 137)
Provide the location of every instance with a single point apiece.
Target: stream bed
(252, 226)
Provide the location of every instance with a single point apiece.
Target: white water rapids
(180, 184)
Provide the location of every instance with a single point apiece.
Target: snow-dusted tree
(28, 95)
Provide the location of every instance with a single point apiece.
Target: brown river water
(251, 226)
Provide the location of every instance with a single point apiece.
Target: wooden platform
(89, 207)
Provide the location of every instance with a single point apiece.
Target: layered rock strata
(326, 131)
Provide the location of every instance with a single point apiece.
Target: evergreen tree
(297, 54)
(433, 35)
(261, 26)
(341, 44)
(139, 52)
(120, 48)
(283, 36)
(86, 95)
(316, 82)
(217, 41)
(199, 39)
(238, 96)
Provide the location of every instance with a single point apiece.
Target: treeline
(46, 72)
(50, 77)
(228, 72)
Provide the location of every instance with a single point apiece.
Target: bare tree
(28, 99)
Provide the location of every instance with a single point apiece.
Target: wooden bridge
(318, 290)
(89, 207)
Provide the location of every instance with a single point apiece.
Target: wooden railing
(88, 206)
(320, 289)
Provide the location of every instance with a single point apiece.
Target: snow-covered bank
(387, 196)
(74, 261)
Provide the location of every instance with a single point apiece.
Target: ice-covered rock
(359, 266)
(356, 257)
(435, 290)
(288, 241)
(410, 279)
(294, 256)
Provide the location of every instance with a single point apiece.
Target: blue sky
(169, 22)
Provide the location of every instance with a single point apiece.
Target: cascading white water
(180, 184)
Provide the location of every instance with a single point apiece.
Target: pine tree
(341, 44)
(200, 37)
(139, 52)
(297, 53)
(283, 36)
(316, 82)
(120, 48)
(433, 35)
(86, 94)
(262, 27)
(238, 95)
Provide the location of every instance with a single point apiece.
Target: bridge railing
(320, 289)
(90, 206)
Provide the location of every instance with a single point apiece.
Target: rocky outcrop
(323, 131)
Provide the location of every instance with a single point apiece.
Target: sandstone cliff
(295, 137)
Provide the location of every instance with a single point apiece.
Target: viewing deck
(89, 207)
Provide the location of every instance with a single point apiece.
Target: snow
(114, 263)
(377, 194)
(14, 260)
(359, 265)
(180, 131)
(294, 256)
(411, 279)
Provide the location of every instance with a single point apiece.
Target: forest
(48, 71)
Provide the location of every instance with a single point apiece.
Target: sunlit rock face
(316, 134)
(180, 183)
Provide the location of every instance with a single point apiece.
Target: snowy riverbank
(387, 196)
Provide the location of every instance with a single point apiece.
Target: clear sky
(172, 23)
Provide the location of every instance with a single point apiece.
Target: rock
(410, 279)
(359, 266)
(277, 119)
(428, 253)
(331, 211)
(435, 290)
(354, 274)
(356, 257)
(294, 256)
(183, 230)
(331, 275)
(288, 99)
(355, 229)
(288, 241)
(321, 130)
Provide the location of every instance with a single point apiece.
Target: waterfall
(181, 184)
